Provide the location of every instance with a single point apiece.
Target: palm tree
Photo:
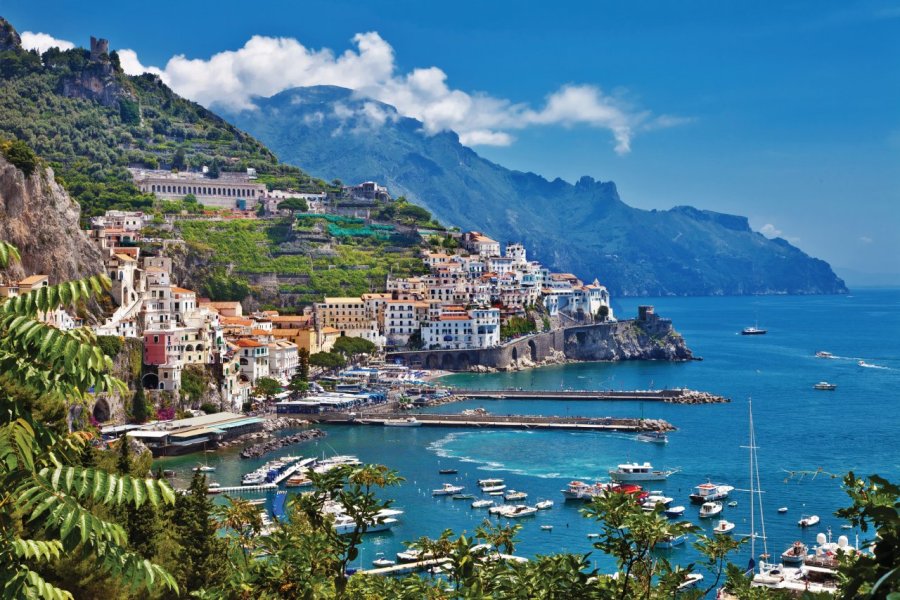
(44, 492)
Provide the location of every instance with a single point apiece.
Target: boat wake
(863, 363)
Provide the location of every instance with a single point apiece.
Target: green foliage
(517, 326)
(220, 286)
(209, 408)
(20, 154)
(139, 410)
(111, 345)
(294, 205)
(266, 386)
(327, 360)
(194, 383)
(302, 364)
(353, 346)
(129, 111)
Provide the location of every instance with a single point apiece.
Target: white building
(457, 329)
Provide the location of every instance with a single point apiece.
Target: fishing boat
(493, 488)
(710, 509)
(823, 354)
(544, 505)
(723, 527)
(710, 492)
(448, 472)
(753, 331)
(674, 512)
(795, 554)
(381, 562)
(483, 483)
(824, 385)
(783, 509)
(462, 497)
(482, 503)
(407, 422)
(670, 541)
(513, 495)
(654, 437)
(448, 489)
(638, 472)
(808, 521)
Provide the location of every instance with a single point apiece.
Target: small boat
(846, 526)
(670, 541)
(462, 497)
(518, 511)
(493, 488)
(447, 490)
(654, 437)
(691, 580)
(783, 509)
(513, 495)
(298, 481)
(795, 554)
(413, 555)
(638, 472)
(213, 485)
(593, 536)
(710, 509)
(808, 521)
(497, 493)
(482, 503)
(547, 527)
(674, 512)
(733, 503)
(381, 562)
(407, 422)
(823, 354)
(824, 385)
(753, 331)
(544, 505)
(654, 500)
(448, 472)
(723, 527)
(203, 469)
(482, 483)
(708, 492)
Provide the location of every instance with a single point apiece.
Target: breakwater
(502, 421)
(670, 396)
(258, 450)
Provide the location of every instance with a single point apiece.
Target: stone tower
(99, 48)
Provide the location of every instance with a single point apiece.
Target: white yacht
(544, 505)
(513, 495)
(482, 483)
(673, 512)
(824, 385)
(709, 492)
(723, 527)
(710, 509)
(482, 503)
(808, 521)
(448, 489)
(518, 511)
(380, 561)
(345, 524)
(638, 472)
(492, 488)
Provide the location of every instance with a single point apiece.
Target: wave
(863, 363)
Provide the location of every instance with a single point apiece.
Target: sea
(806, 439)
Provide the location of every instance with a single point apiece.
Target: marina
(497, 421)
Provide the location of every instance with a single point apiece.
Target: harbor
(408, 419)
(671, 396)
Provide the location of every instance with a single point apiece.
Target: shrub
(111, 345)
(20, 154)
(209, 408)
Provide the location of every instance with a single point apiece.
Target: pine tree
(196, 533)
(139, 405)
(303, 364)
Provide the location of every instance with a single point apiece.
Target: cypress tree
(139, 405)
(196, 533)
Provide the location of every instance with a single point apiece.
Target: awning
(194, 432)
(241, 423)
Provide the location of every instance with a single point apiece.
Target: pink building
(156, 346)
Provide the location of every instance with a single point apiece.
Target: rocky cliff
(42, 221)
(652, 339)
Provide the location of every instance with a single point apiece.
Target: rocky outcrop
(42, 221)
(650, 339)
(258, 450)
(9, 37)
(100, 80)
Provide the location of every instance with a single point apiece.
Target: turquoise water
(798, 429)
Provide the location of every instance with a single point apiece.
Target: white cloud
(770, 231)
(265, 66)
(43, 41)
(866, 239)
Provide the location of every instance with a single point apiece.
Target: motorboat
(482, 503)
(655, 437)
(690, 581)
(808, 521)
(380, 562)
(710, 509)
(753, 331)
(732, 504)
(795, 554)
(638, 472)
(823, 354)
(482, 483)
(413, 555)
(544, 505)
(673, 512)
(579, 490)
(448, 472)
(407, 422)
(496, 510)
(298, 481)
(654, 500)
(670, 541)
(203, 469)
(783, 509)
(497, 493)
(547, 527)
(513, 495)
(345, 524)
(723, 527)
(493, 488)
(593, 536)
(710, 492)
(824, 385)
(518, 511)
(462, 497)
(448, 489)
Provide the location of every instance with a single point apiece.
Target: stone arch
(101, 410)
(150, 381)
(189, 348)
(464, 361)
(431, 361)
(532, 350)
(515, 354)
(448, 363)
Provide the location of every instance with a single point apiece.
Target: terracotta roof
(124, 257)
(33, 279)
(181, 290)
(342, 300)
(259, 332)
(454, 317)
(236, 321)
(330, 330)
(248, 344)
(291, 319)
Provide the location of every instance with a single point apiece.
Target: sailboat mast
(752, 514)
(762, 520)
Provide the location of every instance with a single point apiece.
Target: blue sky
(788, 113)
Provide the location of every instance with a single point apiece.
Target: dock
(500, 421)
(265, 487)
(673, 396)
(423, 565)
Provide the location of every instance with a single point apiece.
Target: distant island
(583, 228)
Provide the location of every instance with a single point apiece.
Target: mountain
(584, 228)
